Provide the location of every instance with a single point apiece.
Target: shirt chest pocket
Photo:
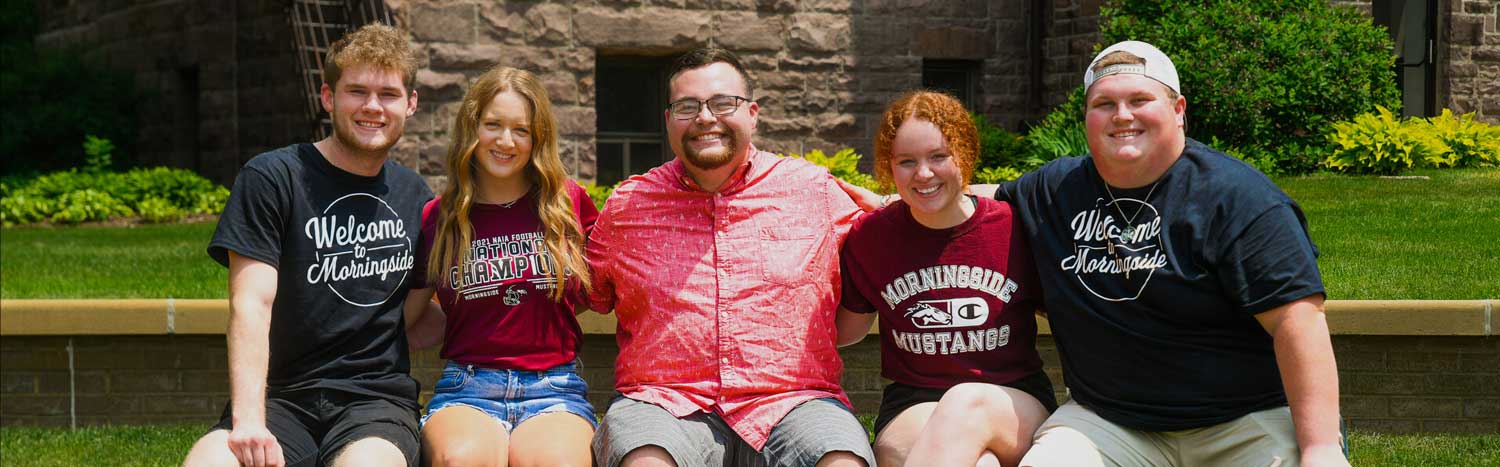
(787, 253)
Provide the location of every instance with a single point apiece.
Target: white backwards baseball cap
(1157, 67)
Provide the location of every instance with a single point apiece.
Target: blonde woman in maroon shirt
(953, 282)
(502, 249)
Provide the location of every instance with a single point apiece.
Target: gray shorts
(809, 431)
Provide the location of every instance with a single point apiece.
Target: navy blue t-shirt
(1155, 317)
(343, 246)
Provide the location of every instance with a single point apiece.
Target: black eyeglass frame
(699, 104)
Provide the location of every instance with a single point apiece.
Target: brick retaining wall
(1396, 384)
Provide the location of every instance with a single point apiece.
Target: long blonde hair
(562, 235)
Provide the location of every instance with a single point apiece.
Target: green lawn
(1379, 238)
(1405, 238)
(166, 445)
(147, 261)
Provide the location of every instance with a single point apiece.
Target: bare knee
(467, 452)
(212, 450)
(972, 397)
(648, 456)
(369, 452)
(841, 459)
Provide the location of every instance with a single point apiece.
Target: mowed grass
(146, 261)
(1380, 238)
(1421, 239)
(166, 445)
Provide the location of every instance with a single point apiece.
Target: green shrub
(600, 193)
(157, 210)
(1060, 134)
(998, 147)
(995, 175)
(53, 98)
(74, 196)
(89, 205)
(1460, 141)
(844, 165)
(98, 153)
(1382, 143)
(1265, 76)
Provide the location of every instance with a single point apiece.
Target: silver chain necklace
(1127, 233)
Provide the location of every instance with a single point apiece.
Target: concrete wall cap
(211, 316)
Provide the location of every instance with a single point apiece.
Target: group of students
(735, 274)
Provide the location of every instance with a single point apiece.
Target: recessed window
(1412, 28)
(631, 94)
(957, 77)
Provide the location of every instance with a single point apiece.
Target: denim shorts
(512, 396)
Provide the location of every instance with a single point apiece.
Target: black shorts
(313, 425)
(897, 397)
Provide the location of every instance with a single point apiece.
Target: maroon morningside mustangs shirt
(956, 305)
(500, 311)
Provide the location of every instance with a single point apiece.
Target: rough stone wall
(1072, 30)
(1469, 80)
(1389, 384)
(237, 56)
(824, 68)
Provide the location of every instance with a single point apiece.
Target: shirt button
(725, 360)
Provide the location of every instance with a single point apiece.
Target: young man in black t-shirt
(319, 240)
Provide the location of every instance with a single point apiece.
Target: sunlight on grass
(151, 261)
(1405, 238)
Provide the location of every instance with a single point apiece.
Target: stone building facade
(222, 83)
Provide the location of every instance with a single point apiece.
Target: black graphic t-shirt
(1152, 293)
(343, 246)
(956, 305)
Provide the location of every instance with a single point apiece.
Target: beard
(715, 157)
(346, 137)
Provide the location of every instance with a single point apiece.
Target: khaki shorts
(1076, 436)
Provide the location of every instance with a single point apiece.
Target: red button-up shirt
(726, 300)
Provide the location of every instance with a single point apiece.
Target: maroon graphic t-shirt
(956, 305)
(500, 311)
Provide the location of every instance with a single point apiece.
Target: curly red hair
(945, 112)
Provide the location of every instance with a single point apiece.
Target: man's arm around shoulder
(1304, 353)
(252, 290)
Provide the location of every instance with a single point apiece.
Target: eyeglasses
(688, 109)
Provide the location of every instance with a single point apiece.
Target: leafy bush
(157, 194)
(54, 98)
(88, 205)
(844, 165)
(998, 147)
(599, 193)
(1266, 76)
(1382, 143)
(994, 175)
(1460, 141)
(1059, 134)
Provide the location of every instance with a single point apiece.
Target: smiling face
(709, 141)
(1134, 127)
(504, 146)
(926, 174)
(368, 106)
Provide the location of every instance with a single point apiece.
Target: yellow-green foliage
(996, 175)
(1459, 141)
(1382, 143)
(599, 193)
(843, 164)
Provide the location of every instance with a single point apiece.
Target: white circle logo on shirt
(1114, 259)
(362, 251)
